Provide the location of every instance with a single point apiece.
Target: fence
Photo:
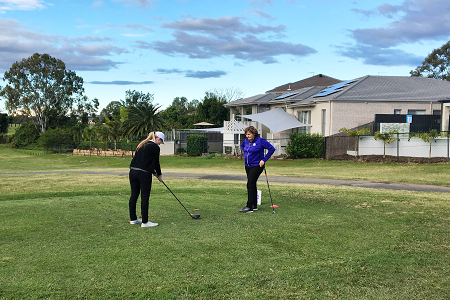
(97, 149)
(403, 147)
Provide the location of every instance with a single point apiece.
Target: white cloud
(20, 5)
(207, 38)
(98, 4)
(412, 21)
(79, 53)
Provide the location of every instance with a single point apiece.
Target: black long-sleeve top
(147, 158)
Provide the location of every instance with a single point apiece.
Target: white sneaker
(149, 224)
(137, 221)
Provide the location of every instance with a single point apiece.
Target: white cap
(160, 135)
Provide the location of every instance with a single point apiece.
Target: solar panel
(285, 96)
(334, 88)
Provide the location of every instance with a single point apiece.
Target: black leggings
(140, 182)
(252, 177)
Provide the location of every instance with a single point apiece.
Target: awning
(276, 120)
(203, 124)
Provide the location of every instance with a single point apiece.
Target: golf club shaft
(265, 172)
(176, 198)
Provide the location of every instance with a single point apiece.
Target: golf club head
(196, 216)
(273, 211)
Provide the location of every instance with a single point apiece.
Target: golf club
(273, 207)
(193, 216)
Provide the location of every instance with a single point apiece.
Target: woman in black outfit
(144, 164)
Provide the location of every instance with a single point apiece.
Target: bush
(25, 135)
(305, 145)
(4, 123)
(180, 151)
(196, 145)
(55, 137)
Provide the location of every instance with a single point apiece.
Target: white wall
(167, 148)
(351, 114)
(416, 147)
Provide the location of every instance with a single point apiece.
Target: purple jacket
(254, 151)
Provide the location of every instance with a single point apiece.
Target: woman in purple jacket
(253, 148)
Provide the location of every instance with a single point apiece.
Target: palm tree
(104, 134)
(89, 133)
(77, 132)
(142, 119)
(115, 127)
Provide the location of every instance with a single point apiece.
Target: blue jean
(140, 183)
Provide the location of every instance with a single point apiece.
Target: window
(437, 112)
(263, 108)
(416, 112)
(305, 118)
(324, 119)
(397, 111)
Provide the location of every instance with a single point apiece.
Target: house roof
(318, 80)
(391, 88)
(368, 88)
(258, 99)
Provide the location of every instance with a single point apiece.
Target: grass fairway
(67, 236)
(434, 174)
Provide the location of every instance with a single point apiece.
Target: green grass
(66, 236)
(435, 174)
(12, 129)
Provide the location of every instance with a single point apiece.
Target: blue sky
(176, 48)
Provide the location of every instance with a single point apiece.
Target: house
(329, 104)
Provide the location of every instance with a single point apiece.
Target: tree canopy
(133, 98)
(142, 119)
(211, 109)
(180, 114)
(436, 65)
(39, 84)
(228, 94)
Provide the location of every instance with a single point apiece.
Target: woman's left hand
(261, 163)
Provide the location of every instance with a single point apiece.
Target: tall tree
(228, 94)
(142, 119)
(133, 98)
(179, 113)
(104, 133)
(115, 129)
(40, 83)
(77, 132)
(112, 109)
(211, 109)
(89, 133)
(436, 65)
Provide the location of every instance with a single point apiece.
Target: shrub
(25, 135)
(180, 151)
(305, 145)
(55, 137)
(196, 144)
(4, 123)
